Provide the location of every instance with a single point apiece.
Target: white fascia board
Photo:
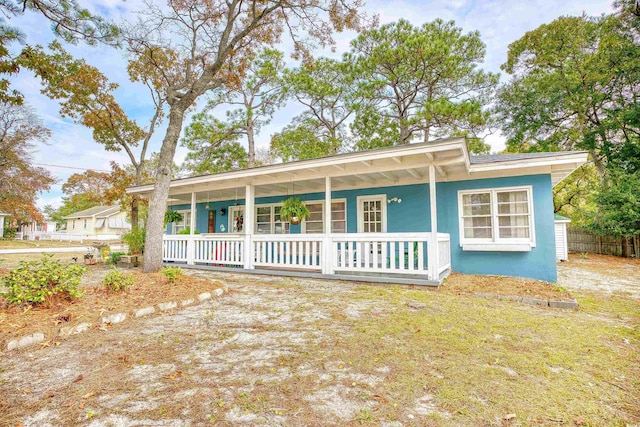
(408, 150)
(578, 158)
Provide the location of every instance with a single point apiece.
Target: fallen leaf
(78, 378)
(67, 403)
(579, 421)
(81, 405)
(509, 417)
(88, 395)
(27, 390)
(50, 395)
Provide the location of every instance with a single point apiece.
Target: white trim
(186, 213)
(374, 197)
(495, 243)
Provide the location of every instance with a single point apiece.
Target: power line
(70, 167)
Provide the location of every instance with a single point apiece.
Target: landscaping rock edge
(541, 302)
(39, 337)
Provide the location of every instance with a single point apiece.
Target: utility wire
(70, 167)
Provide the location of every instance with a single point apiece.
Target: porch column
(433, 255)
(249, 220)
(327, 258)
(191, 243)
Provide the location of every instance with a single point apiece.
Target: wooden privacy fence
(579, 240)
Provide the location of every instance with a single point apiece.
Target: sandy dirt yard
(290, 352)
(601, 273)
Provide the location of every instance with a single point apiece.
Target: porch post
(191, 243)
(327, 258)
(433, 255)
(249, 220)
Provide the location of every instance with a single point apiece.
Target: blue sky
(499, 22)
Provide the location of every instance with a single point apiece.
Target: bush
(114, 257)
(36, 282)
(187, 230)
(135, 240)
(172, 273)
(9, 232)
(117, 281)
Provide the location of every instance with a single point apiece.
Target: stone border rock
(565, 304)
(39, 337)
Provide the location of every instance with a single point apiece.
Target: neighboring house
(2, 217)
(38, 230)
(493, 215)
(98, 222)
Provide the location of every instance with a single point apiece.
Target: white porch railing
(404, 253)
(300, 251)
(382, 253)
(444, 252)
(224, 250)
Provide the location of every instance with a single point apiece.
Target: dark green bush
(35, 282)
(117, 281)
(114, 257)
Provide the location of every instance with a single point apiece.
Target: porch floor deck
(399, 279)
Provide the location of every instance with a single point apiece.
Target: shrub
(36, 282)
(135, 240)
(9, 232)
(187, 230)
(172, 273)
(114, 257)
(117, 281)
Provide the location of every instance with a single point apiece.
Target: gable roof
(96, 211)
(388, 166)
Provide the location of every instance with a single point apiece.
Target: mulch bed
(501, 285)
(149, 289)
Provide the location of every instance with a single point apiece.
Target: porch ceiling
(410, 166)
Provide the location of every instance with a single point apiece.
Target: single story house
(98, 222)
(404, 214)
(37, 230)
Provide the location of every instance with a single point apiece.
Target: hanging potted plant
(172, 216)
(293, 210)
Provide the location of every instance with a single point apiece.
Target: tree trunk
(252, 147)
(158, 201)
(134, 212)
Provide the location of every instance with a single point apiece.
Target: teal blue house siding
(539, 263)
(413, 215)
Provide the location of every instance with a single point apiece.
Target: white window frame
(496, 243)
(360, 210)
(273, 221)
(186, 219)
(303, 228)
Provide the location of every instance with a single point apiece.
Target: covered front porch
(372, 216)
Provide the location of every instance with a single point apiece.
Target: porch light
(223, 211)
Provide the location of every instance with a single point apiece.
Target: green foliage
(573, 87)
(419, 82)
(618, 203)
(293, 210)
(35, 282)
(135, 240)
(9, 232)
(114, 257)
(214, 144)
(172, 216)
(300, 141)
(172, 273)
(116, 281)
(574, 196)
(187, 230)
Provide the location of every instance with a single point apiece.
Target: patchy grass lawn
(9, 261)
(31, 244)
(506, 286)
(278, 351)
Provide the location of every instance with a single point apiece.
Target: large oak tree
(193, 47)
